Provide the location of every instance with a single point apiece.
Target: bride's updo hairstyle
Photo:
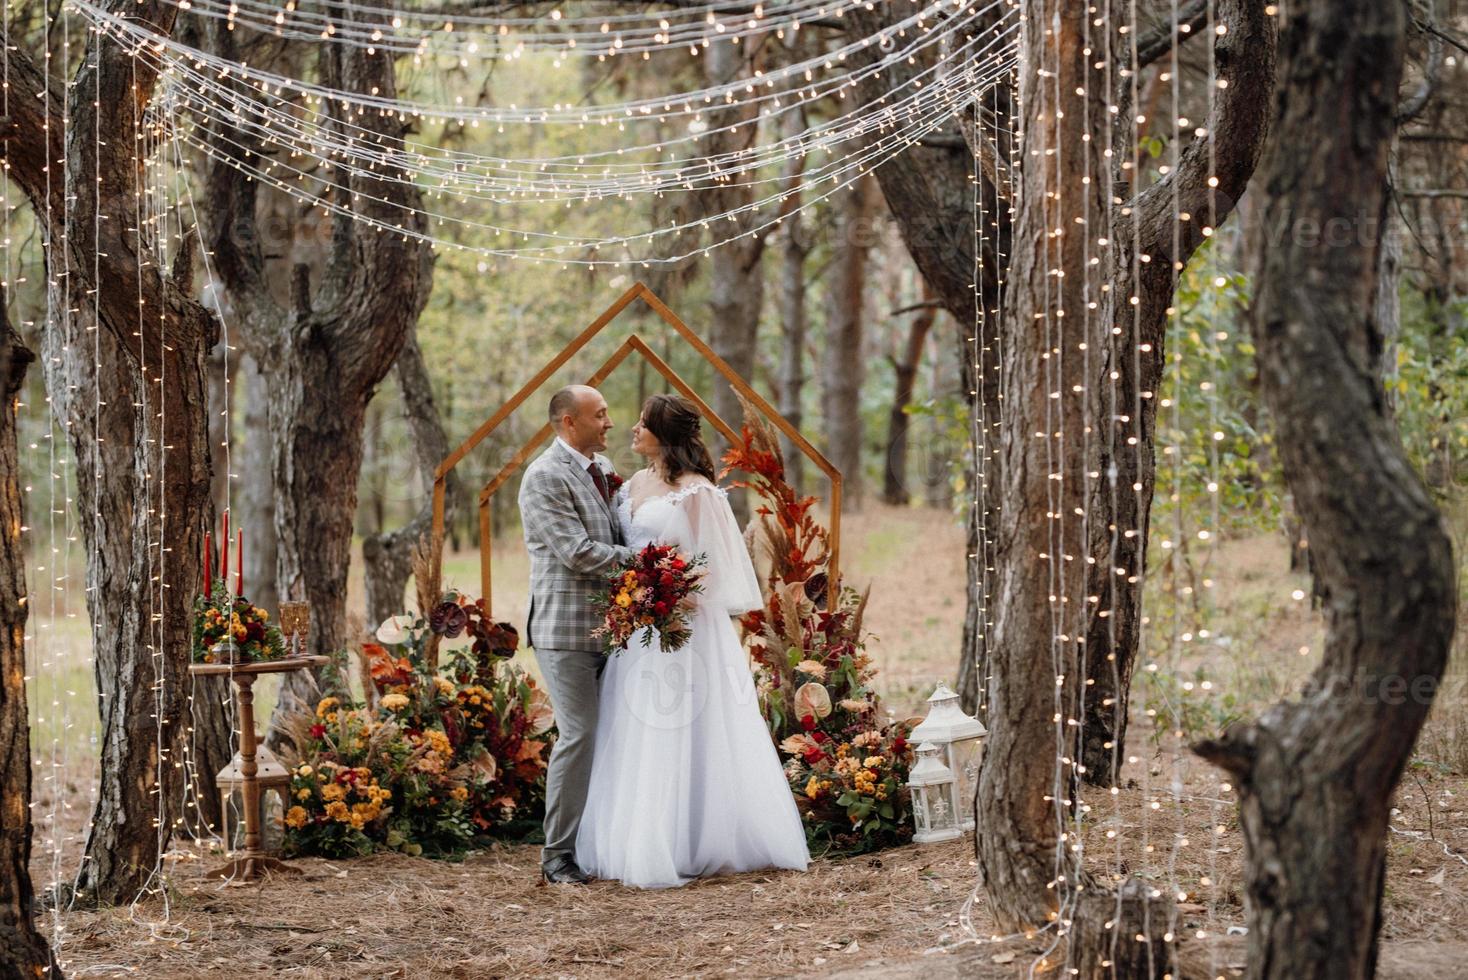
(675, 423)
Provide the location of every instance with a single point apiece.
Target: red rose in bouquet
(652, 594)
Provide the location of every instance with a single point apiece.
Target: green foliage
(1429, 388)
(1216, 469)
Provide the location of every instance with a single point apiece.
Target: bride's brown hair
(675, 423)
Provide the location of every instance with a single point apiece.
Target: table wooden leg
(252, 863)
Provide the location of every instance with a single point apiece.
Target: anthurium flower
(812, 698)
(394, 630)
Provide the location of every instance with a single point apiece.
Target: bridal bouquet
(653, 593)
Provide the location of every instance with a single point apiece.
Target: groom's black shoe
(564, 872)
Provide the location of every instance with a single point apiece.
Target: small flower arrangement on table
(227, 618)
(653, 594)
(237, 624)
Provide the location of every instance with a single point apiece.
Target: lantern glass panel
(963, 759)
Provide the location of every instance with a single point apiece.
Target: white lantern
(934, 807)
(957, 737)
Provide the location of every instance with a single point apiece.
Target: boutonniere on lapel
(614, 483)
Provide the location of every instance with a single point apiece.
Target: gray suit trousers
(573, 677)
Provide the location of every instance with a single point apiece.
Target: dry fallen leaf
(1002, 958)
(1437, 879)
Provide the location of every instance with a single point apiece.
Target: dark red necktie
(599, 480)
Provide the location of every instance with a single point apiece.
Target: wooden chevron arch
(633, 344)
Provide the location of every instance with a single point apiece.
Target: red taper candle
(208, 561)
(239, 562)
(224, 553)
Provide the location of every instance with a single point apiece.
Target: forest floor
(898, 913)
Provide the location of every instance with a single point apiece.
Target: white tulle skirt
(685, 781)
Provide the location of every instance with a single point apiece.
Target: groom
(574, 539)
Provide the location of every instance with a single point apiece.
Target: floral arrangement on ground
(435, 759)
(847, 770)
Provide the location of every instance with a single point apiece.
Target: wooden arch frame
(632, 343)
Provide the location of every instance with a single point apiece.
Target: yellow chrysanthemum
(338, 811)
(332, 792)
(394, 701)
(438, 741)
(295, 817)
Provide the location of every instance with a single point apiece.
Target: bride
(685, 781)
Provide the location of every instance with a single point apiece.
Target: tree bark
(1316, 775)
(325, 352)
(124, 365)
(255, 493)
(388, 556)
(795, 248)
(736, 269)
(24, 953)
(843, 366)
(1021, 781)
(899, 422)
(1026, 780)
(1134, 351)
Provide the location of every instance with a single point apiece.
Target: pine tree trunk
(842, 366)
(254, 491)
(795, 248)
(899, 422)
(1022, 779)
(1316, 776)
(24, 953)
(325, 351)
(1026, 783)
(125, 375)
(736, 269)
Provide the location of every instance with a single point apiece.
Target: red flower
(679, 564)
(661, 608)
(812, 756)
(318, 731)
(808, 722)
(819, 736)
(899, 744)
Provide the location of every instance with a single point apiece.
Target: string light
(191, 81)
(476, 35)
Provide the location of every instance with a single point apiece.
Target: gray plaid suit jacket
(574, 540)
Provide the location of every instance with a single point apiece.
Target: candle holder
(252, 863)
(295, 625)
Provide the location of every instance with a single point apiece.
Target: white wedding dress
(685, 780)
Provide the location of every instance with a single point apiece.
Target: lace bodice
(652, 516)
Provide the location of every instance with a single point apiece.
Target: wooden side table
(252, 863)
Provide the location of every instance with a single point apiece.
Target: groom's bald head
(579, 415)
